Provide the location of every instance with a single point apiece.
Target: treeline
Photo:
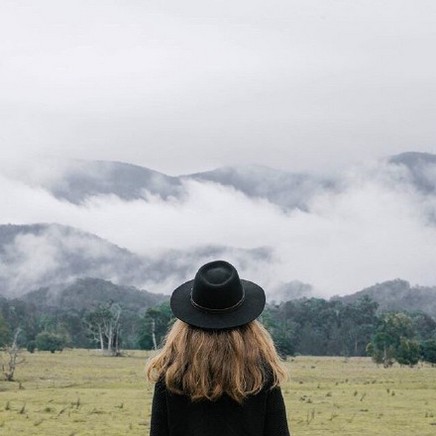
(109, 326)
(311, 326)
(321, 327)
(84, 314)
(332, 328)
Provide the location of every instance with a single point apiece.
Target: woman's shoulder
(160, 385)
(269, 376)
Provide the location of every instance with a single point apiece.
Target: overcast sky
(186, 86)
(183, 86)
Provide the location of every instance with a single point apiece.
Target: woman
(218, 372)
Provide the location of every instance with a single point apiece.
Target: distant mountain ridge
(286, 189)
(413, 158)
(88, 293)
(82, 278)
(73, 254)
(47, 255)
(398, 295)
(82, 180)
(39, 255)
(421, 168)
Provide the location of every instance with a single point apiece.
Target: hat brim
(249, 310)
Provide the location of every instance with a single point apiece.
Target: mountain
(294, 290)
(421, 169)
(38, 255)
(88, 293)
(85, 179)
(398, 295)
(286, 189)
(52, 255)
(76, 181)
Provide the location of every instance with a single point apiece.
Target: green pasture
(80, 392)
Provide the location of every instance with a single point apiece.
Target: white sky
(185, 86)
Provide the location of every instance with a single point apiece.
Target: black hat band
(225, 309)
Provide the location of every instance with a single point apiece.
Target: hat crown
(217, 287)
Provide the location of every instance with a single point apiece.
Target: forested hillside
(398, 295)
(93, 313)
(70, 312)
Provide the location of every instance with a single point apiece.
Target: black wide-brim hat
(217, 298)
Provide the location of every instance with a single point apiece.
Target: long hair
(205, 364)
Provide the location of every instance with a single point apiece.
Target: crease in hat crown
(217, 288)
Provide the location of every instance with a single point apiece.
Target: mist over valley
(297, 234)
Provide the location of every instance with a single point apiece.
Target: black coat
(262, 414)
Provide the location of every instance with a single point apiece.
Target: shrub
(31, 345)
(408, 352)
(46, 341)
(428, 351)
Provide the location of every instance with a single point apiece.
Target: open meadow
(80, 392)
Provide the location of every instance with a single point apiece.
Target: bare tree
(105, 327)
(95, 323)
(153, 333)
(10, 357)
(111, 329)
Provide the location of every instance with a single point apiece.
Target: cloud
(51, 255)
(375, 227)
(181, 86)
(28, 261)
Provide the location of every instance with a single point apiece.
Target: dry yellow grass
(80, 392)
(336, 396)
(76, 392)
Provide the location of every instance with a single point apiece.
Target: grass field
(79, 392)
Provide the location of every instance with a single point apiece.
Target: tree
(10, 357)
(390, 341)
(105, 327)
(47, 341)
(95, 324)
(424, 325)
(316, 326)
(22, 316)
(4, 331)
(112, 329)
(282, 329)
(408, 352)
(428, 351)
(31, 346)
(319, 323)
(358, 321)
(381, 355)
(154, 325)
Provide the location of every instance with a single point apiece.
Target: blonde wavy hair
(205, 364)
